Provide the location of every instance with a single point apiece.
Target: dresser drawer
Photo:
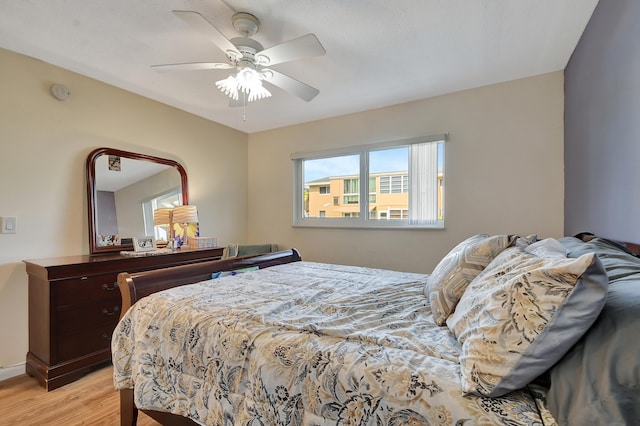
(72, 319)
(76, 291)
(78, 344)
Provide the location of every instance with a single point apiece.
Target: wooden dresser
(74, 306)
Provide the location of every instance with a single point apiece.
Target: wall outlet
(8, 225)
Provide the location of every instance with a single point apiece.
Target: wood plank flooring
(88, 401)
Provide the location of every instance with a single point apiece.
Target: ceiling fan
(250, 61)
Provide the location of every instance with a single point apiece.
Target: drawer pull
(105, 287)
(116, 309)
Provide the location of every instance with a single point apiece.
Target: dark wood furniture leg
(128, 410)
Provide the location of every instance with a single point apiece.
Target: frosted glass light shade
(247, 80)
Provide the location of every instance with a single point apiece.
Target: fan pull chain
(244, 107)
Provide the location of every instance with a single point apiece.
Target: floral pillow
(523, 313)
(458, 268)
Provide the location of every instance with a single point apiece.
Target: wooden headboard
(136, 286)
(633, 248)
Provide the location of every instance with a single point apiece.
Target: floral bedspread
(304, 343)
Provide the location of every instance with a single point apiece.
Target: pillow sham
(522, 314)
(458, 268)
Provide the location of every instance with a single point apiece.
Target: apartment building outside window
(404, 181)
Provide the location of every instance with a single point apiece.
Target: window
(351, 186)
(351, 199)
(390, 184)
(170, 199)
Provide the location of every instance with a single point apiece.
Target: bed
(506, 330)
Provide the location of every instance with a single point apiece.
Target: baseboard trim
(13, 371)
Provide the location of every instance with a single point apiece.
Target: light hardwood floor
(88, 401)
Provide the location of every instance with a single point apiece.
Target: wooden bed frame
(133, 287)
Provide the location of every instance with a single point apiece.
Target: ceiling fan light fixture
(258, 92)
(247, 80)
(229, 87)
(249, 58)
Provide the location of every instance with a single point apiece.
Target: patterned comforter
(304, 343)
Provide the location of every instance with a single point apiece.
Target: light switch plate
(8, 225)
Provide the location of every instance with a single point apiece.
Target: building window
(391, 184)
(398, 214)
(350, 199)
(351, 186)
(372, 190)
(394, 184)
(350, 193)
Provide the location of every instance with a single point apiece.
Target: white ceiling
(379, 52)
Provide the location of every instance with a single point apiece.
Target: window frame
(363, 221)
(151, 204)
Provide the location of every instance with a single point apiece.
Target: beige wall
(503, 172)
(43, 147)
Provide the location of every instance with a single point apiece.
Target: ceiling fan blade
(192, 66)
(290, 84)
(302, 47)
(198, 22)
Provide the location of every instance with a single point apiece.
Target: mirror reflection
(124, 190)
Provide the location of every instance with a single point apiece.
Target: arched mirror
(123, 190)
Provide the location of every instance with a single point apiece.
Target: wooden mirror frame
(92, 195)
